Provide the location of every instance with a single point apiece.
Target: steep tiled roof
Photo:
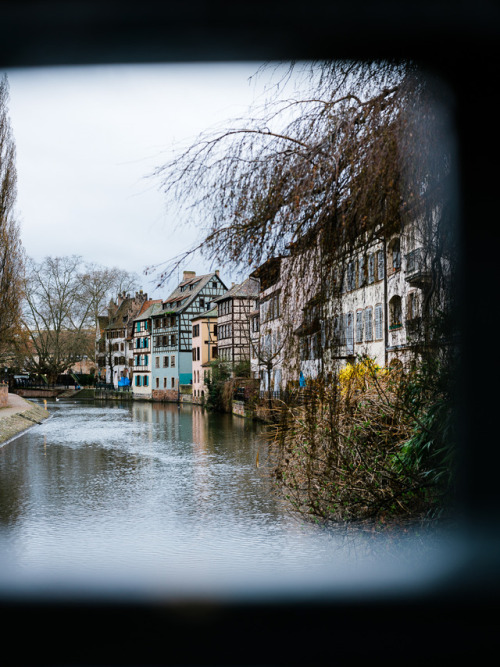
(123, 314)
(149, 308)
(248, 289)
(183, 296)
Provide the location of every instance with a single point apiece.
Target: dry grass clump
(337, 456)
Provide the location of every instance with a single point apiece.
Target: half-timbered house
(266, 327)
(233, 321)
(142, 382)
(114, 345)
(172, 331)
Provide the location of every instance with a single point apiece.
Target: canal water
(157, 495)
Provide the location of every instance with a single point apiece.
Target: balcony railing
(417, 272)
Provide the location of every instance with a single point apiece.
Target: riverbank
(19, 415)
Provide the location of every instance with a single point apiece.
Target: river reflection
(162, 490)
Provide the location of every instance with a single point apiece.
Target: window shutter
(380, 264)
(368, 324)
(349, 331)
(378, 321)
(371, 269)
(359, 326)
(361, 271)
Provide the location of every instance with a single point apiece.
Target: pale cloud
(86, 140)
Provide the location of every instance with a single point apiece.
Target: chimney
(217, 273)
(187, 275)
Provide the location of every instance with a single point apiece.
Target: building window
(379, 321)
(395, 255)
(368, 324)
(165, 362)
(157, 383)
(196, 330)
(413, 306)
(164, 383)
(157, 362)
(395, 312)
(146, 381)
(173, 383)
(172, 361)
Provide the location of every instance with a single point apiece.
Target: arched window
(395, 321)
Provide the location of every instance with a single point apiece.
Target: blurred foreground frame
(454, 618)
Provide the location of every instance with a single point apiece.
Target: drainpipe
(233, 304)
(179, 359)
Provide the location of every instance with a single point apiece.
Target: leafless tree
(344, 160)
(63, 298)
(100, 284)
(358, 154)
(11, 252)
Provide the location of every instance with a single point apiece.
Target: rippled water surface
(113, 488)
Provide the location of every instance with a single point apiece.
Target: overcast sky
(88, 137)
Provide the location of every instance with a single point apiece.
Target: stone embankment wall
(18, 422)
(240, 409)
(4, 395)
(39, 393)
